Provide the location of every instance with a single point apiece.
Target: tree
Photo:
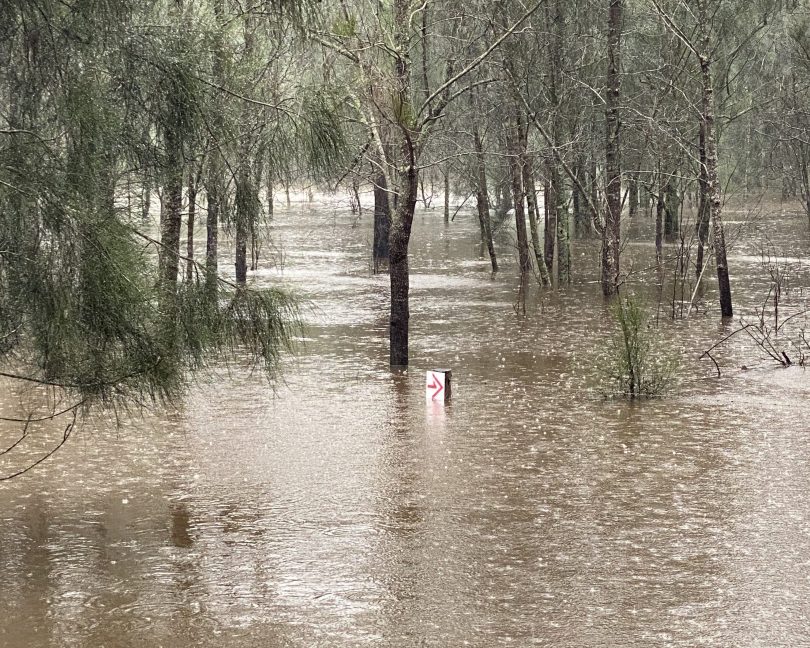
(399, 121)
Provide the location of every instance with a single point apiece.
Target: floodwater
(342, 510)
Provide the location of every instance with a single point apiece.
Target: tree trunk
(513, 139)
(399, 238)
(550, 231)
(192, 212)
(270, 196)
(723, 282)
(215, 184)
(702, 225)
(672, 204)
(447, 195)
(660, 208)
(482, 197)
(146, 199)
(531, 200)
(563, 232)
(583, 223)
(611, 236)
(171, 221)
(243, 218)
(632, 199)
(382, 223)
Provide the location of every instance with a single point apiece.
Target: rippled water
(344, 511)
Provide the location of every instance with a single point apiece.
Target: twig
(65, 436)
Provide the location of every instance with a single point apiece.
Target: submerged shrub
(637, 365)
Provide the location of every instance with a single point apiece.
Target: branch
(65, 436)
(558, 156)
(475, 63)
(675, 29)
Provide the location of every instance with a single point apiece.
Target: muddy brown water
(344, 511)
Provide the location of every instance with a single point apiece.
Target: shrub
(636, 366)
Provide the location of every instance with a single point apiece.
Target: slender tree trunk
(482, 196)
(563, 232)
(723, 282)
(215, 184)
(447, 195)
(270, 196)
(146, 198)
(531, 200)
(242, 226)
(660, 209)
(704, 212)
(550, 231)
(611, 237)
(632, 200)
(673, 210)
(513, 138)
(192, 213)
(171, 221)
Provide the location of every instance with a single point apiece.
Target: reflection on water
(345, 511)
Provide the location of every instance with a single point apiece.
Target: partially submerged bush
(636, 365)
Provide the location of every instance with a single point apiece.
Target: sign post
(438, 385)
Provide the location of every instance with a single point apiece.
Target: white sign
(434, 386)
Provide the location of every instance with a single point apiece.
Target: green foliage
(96, 93)
(636, 365)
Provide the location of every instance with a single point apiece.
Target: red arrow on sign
(436, 384)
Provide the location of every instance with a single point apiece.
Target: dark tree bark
(214, 186)
(611, 236)
(632, 195)
(447, 195)
(192, 214)
(482, 197)
(242, 226)
(171, 215)
(382, 223)
(660, 209)
(672, 205)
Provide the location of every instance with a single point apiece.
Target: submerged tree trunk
(611, 236)
(399, 238)
(723, 282)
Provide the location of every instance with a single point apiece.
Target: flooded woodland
(341, 509)
(404, 323)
